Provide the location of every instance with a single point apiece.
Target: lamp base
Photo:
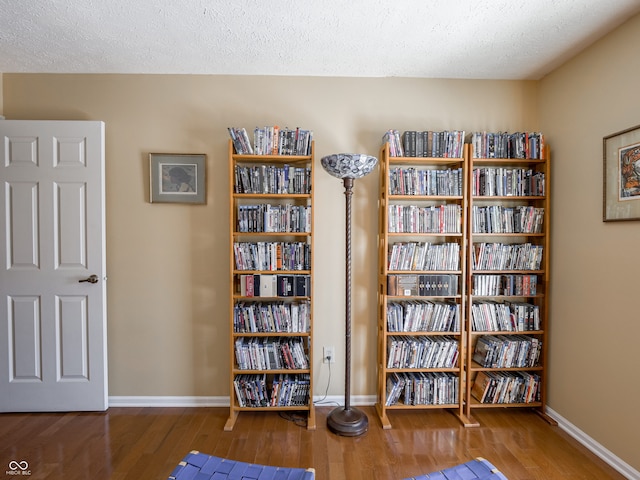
(348, 423)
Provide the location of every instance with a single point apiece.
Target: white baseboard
(152, 401)
(168, 401)
(338, 400)
(612, 460)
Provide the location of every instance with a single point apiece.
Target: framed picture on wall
(177, 178)
(621, 151)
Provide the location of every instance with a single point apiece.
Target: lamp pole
(348, 421)
(348, 194)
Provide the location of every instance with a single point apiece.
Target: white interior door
(52, 214)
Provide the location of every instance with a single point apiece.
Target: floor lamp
(348, 421)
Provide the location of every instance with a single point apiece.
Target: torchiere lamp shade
(348, 165)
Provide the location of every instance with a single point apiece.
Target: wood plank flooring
(147, 443)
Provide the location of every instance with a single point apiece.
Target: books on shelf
(268, 218)
(526, 145)
(507, 285)
(424, 285)
(427, 143)
(272, 317)
(290, 390)
(444, 218)
(426, 351)
(422, 388)
(506, 387)
(425, 181)
(503, 219)
(501, 256)
(240, 139)
(270, 353)
(272, 179)
(507, 182)
(417, 256)
(272, 255)
(272, 140)
(271, 171)
(392, 137)
(276, 285)
(281, 390)
(423, 197)
(507, 351)
(492, 316)
(423, 316)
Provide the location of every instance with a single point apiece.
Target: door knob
(90, 279)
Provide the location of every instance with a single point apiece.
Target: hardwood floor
(147, 443)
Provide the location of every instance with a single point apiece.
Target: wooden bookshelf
(442, 379)
(507, 302)
(273, 326)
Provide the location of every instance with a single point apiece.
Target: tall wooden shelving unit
(449, 378)
(493, 287)
(240, 298)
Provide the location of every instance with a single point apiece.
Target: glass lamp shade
(348, 165)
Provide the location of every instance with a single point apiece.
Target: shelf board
(237, 371)
(421, 333)
(441, 161)
(476, 367)
(402, 406)
(401, 370)
(423, 272)
(260, 159)
(424, 234)
(502, 198)
(506, 332)
(409, 197)
(537, 234)
(538, 295)
(476, 404)
(274, 408)
(418, 297)
(271, 334)
(287, 196)
(507, 161)
(258, 298)
(272, 272)
(507, 272)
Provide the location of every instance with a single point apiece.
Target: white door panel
(53, 324)
(22, 227)
(25, 362)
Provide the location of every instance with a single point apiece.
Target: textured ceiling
(481, 39)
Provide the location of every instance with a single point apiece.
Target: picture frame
(621, 176)
(177, 178)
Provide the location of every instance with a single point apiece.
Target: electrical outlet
(328, 355)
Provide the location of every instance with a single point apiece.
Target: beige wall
(595, 323)
(167, 264)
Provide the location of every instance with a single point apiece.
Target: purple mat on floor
(199, 466)
(478, 469)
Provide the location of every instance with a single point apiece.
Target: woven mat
(199, 466)
(478, 469)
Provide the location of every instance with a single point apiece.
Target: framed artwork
(621, 193)
(177, 178)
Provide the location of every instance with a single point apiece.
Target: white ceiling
(480, 39)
